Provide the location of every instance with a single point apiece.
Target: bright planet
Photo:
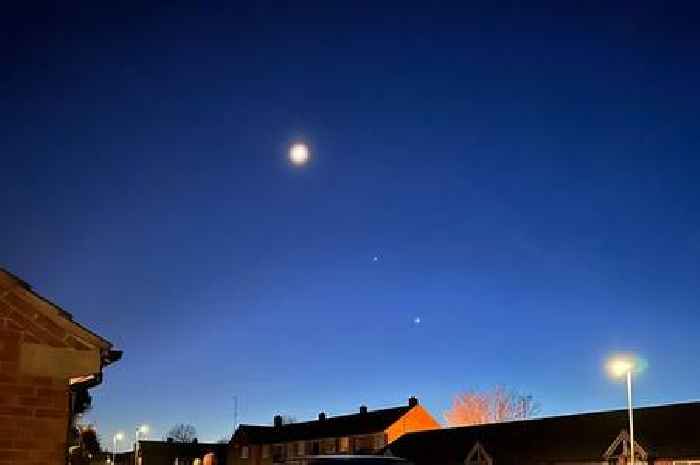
(299, 154)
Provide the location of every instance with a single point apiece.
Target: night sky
(527, 179)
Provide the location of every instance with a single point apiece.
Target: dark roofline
(566, 415)
(167, 443)
(359, 423)
(667, 430)
(336, 417)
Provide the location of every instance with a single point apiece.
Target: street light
(117, 437)
(140, 429)
(619, 367)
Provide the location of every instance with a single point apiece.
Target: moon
(299, 154)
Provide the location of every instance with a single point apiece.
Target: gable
(620, 448)
(478, 456)
(41, 339)
(415, 419)
(41, 322)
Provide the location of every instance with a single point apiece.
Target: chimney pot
(322, 416)
(277, 420)
(363, 409)
(412, 401)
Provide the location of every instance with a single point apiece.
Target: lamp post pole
(631, 414)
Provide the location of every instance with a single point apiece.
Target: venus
(299, 154)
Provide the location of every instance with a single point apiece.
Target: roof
(181, 449)
(57, 310)
(668, 431)
(372, 421)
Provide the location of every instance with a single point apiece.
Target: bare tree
(182, 433)
(494, 406)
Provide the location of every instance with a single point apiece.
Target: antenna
(235, 413)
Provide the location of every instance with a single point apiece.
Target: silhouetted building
(364, 432)
(181, 453)
(664, 435)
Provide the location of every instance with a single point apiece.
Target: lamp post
(140, 429)
(619, 367)
(117, 437)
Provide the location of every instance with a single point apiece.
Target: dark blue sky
(528, 178)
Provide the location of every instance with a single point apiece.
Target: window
(300, 448)
(344, 444)
(379, 441)
(329, 446)
(244, 452)
(363, 444)
(278, 453)
(266, 451)
(686, 462)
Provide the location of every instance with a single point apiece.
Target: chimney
(194, 441)
(170, 440)
(321, 416)
(412, 401)
(277, 420)
(363, 409)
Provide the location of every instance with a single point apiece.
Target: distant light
(416, 320)
(299, 154)
(144, 429)
(119, 436)
(620, 366)
(375, 259)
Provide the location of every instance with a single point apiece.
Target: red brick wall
(417, 419)
(34, 410)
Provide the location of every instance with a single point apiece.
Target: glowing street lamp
(140, 429)
(619, 367)
(117, 437)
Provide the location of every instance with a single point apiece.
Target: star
(375, 258)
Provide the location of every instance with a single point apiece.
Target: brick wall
(417, 419)
(34, 410)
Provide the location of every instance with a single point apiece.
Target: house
(47, 363)
(181, 453)
(364, 432)
(664, 435)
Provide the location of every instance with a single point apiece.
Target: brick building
(664, 435)
(47, 363)
(364, 432)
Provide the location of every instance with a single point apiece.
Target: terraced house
(364, 432)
